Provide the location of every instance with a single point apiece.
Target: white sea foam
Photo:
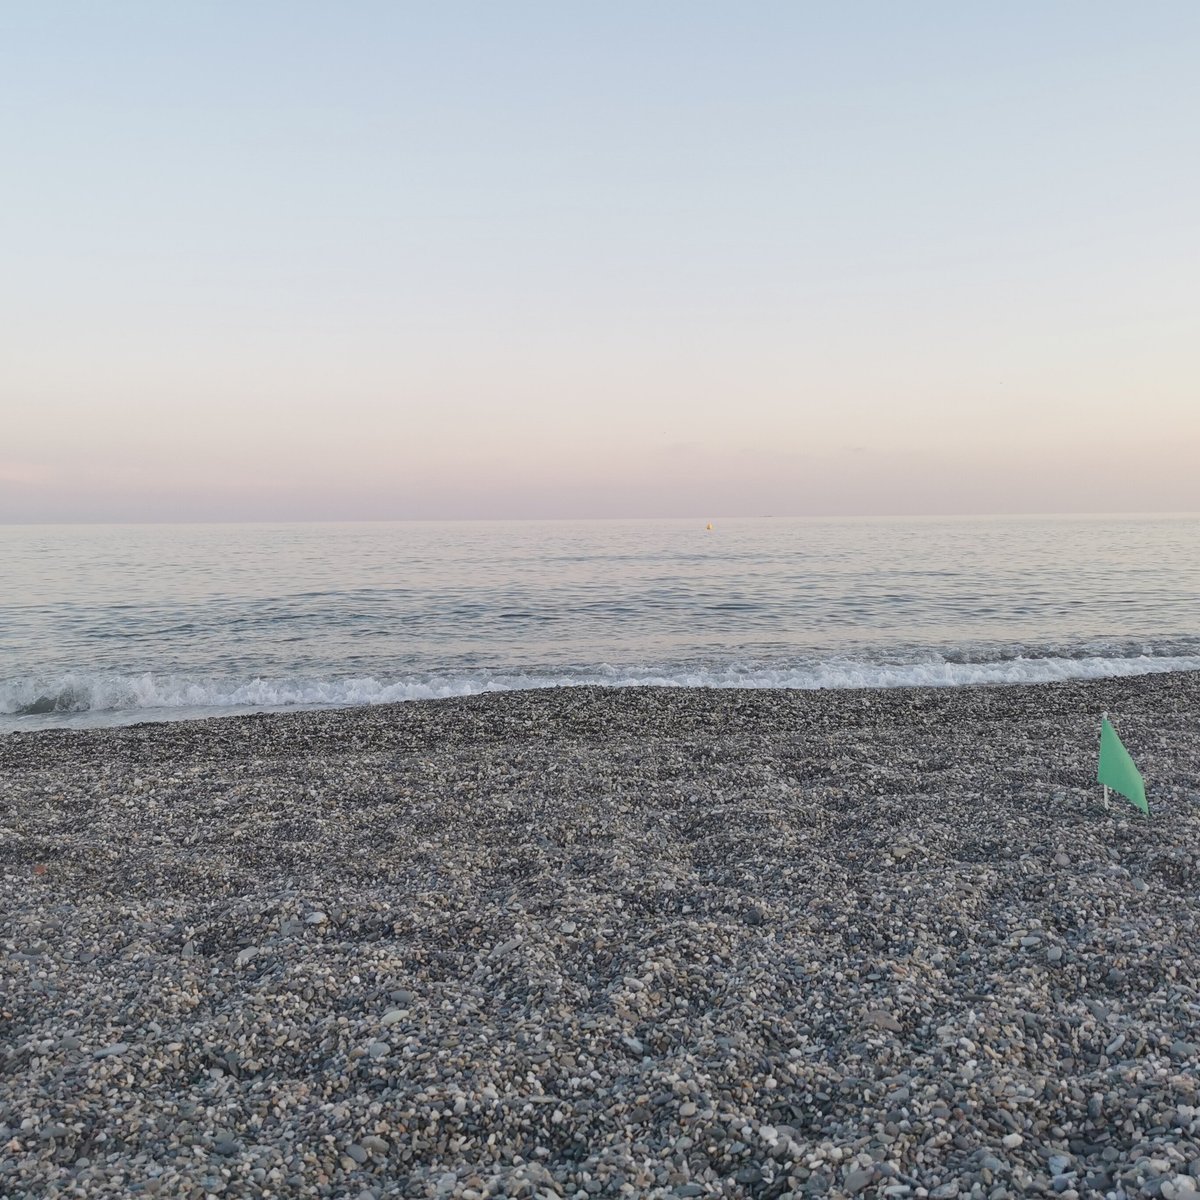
(150, 694)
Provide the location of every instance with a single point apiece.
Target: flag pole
(1103, 718)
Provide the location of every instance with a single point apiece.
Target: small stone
(1062, 860)
(111, 1051)
(357, 1153)
(1054, 954)
(1011, 1141)
(1179, 1187)
(376, 1145)
(567, 927)
(858, 1179)
(504, 949)
(687, 1109)
(379, 1049)
(632, 1044)
(316, 918)
(883, 1020)
(392, 1016)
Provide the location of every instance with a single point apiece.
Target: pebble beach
(608, 942)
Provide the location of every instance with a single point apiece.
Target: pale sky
(634, 258)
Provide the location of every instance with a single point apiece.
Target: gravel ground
(607, 942)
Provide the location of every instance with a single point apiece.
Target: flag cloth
(1116, 769)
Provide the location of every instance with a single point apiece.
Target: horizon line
(906, 516)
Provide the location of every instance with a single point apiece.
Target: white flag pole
(1103, 718)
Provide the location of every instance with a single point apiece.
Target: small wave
(149, 693)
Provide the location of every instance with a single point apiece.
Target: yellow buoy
(709, 526)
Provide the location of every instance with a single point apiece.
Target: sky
(264, 261)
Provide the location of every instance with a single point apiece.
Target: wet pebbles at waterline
(607, 942)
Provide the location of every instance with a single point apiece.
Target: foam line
(99, 692)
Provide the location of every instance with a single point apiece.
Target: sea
(112, 624)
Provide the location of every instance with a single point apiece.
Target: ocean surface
(112, 624)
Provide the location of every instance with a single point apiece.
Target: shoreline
(602, 941)
(168, 699)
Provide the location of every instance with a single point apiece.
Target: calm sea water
(104, 624)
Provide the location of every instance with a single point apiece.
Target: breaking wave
(159, 694)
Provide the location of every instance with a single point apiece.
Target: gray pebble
(858, 1179)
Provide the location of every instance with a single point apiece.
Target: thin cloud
(20, 472)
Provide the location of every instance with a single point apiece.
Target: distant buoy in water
(708, 527)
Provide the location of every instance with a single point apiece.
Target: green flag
(1116, 769)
